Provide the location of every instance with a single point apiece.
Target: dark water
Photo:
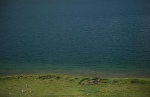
(109, 38)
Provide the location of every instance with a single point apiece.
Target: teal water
(84, 37)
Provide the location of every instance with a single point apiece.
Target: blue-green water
(109, 38)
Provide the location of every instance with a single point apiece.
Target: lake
(108, 38)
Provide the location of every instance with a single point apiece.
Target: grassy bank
(72, 86)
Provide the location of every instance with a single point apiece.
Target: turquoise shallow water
(84, 37)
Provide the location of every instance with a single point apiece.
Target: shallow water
(87, 37)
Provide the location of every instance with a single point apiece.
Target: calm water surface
(108, 38)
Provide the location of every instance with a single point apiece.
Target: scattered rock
(19, 77)
(23, 91)
(46, 77)
(49, 77)
(26, 85)
(92, 81)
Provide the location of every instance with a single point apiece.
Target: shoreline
(71, 74)
(115, 72)
(99, 74)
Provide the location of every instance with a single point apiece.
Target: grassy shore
(52, 85)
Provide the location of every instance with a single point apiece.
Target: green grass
(72, 86)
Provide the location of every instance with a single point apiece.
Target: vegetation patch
(43, 77)
(51, 85)
(92, 81)
(138, 81)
